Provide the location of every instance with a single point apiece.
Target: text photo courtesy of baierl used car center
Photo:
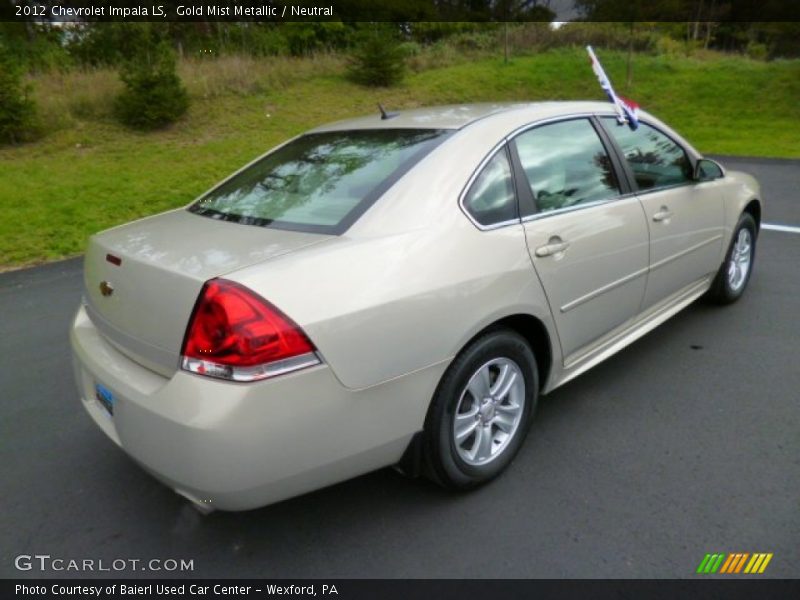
(454, 291)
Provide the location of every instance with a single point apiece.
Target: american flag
(627, 110)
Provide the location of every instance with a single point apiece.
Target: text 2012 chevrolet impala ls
(397, 290)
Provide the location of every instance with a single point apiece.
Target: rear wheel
(481, 411)
(734, 274)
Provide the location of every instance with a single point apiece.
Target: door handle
(553, 246)
(663, 214)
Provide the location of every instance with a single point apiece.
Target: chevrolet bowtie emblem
(106, 288)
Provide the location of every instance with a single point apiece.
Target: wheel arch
(753, 208)
(537, 336)
(535, 332)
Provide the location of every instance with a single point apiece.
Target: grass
(89, 173)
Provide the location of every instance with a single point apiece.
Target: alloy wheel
(489, 411)
(741, 257)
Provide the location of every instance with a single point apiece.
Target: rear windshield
(320, 182)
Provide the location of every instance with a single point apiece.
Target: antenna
(386, 115)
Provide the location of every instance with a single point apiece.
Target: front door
(685, 217)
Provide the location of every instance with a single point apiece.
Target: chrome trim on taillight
(254, 373)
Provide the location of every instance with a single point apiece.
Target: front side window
(656, 160)
(320, 182)
(491, 198)
(566, 165)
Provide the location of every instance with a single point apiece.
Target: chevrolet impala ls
(397, 290)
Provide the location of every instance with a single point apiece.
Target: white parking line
(785, 228)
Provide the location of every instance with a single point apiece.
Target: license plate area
(105, 397)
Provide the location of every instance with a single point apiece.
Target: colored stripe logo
(734, 563)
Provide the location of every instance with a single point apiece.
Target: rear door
(685, 217)
(587, 238)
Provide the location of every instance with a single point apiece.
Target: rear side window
(319, 183)
(566, 165)
(655, 159)
(491, 198)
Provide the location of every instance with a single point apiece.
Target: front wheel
(734, 274)
(481, 411)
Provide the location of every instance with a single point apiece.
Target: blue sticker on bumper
(105, 397)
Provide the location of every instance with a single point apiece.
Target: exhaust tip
(201, 505)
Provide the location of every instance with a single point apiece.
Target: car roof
(458, 116)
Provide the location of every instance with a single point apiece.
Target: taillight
(235, 334)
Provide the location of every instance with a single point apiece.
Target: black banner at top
(68, 11)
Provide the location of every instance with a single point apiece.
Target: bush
(477, 40)
(17, 110)
(154, 95)
(667, 46)
(756, 50)
(377, 60)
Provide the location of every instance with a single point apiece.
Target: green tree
(17, 109)
(34, 46)
(154, 95)
(378, 59)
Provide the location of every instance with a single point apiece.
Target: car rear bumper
(235, 446)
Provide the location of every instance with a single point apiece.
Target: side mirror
(707, 170)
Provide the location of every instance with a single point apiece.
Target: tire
(501, 367)
(735, 271)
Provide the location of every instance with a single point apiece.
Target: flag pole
(626, 109)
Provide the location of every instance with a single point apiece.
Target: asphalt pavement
(685, 443)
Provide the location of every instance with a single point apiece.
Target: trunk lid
(146, 300)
